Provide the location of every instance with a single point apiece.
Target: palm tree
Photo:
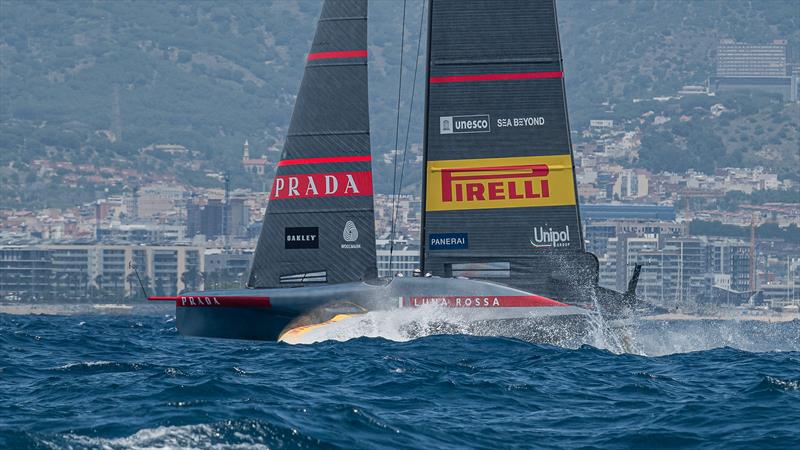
(133, 285)
(98, 281)
(190, 279)
(84, 280)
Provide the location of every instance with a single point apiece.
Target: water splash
(640, 336)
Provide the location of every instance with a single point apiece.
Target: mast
(425, 139)
(569, 130)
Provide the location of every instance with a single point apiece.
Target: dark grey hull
(475, 307)
(232, 323)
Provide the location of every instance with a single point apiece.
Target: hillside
(616, 50)
(95, 82)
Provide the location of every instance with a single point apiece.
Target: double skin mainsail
(500, 192)
(319, 225)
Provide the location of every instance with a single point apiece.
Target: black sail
(319, 225)
(500, 193)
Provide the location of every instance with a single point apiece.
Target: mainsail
(500, 193)
(319, 226)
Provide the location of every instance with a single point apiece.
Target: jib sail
(319, 226)
(500, 193)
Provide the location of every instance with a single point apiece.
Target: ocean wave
(113, 384)
(226, 435)
(769, 383)
(100, 367)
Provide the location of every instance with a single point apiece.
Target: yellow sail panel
(520, 182)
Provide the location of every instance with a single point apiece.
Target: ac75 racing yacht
(501, 232)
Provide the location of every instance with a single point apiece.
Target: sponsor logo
(301, 237)
(500, 183)
(350, 235)
(448, 241)
(520, 122)
(200, 301)
(548, 237)
(338, 184)
(216, 302)
(478, 123)
(505, 301)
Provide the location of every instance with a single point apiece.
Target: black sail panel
(500, 193)
(319, 226)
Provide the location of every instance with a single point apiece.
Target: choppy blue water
(132, 382)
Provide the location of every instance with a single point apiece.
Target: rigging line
(411, 107)
(397, 138)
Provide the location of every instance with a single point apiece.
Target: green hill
(95, 82)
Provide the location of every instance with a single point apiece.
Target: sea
(120, 381)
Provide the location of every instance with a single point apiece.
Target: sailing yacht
(501, 234)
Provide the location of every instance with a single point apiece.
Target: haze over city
(121, 133)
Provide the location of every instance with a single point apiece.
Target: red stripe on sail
(489, 301)
(495, 77)
(340, 54)
(215, 301)
(325, 160)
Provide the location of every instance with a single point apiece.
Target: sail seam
(334, 19)
(495, 77)
(471, 62)
(329, 133)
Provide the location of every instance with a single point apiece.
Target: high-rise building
(74, 271)
(25, 269)
(159, 199)
(204, 219)
(404, 258)
(731, 257)
(673, 268)
(760, 67)
(631, 183)
(608, 264)
(691, 264)
(237, 217)
(208, 219)
(598, 232)
(738, 59)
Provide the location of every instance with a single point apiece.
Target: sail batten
(506, 76)
(455, 62)
(319, 226)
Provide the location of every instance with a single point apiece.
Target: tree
(191, 279)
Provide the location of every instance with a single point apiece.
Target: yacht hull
(465, 306)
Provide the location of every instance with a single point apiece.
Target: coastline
(771, 317)
(73, 309)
